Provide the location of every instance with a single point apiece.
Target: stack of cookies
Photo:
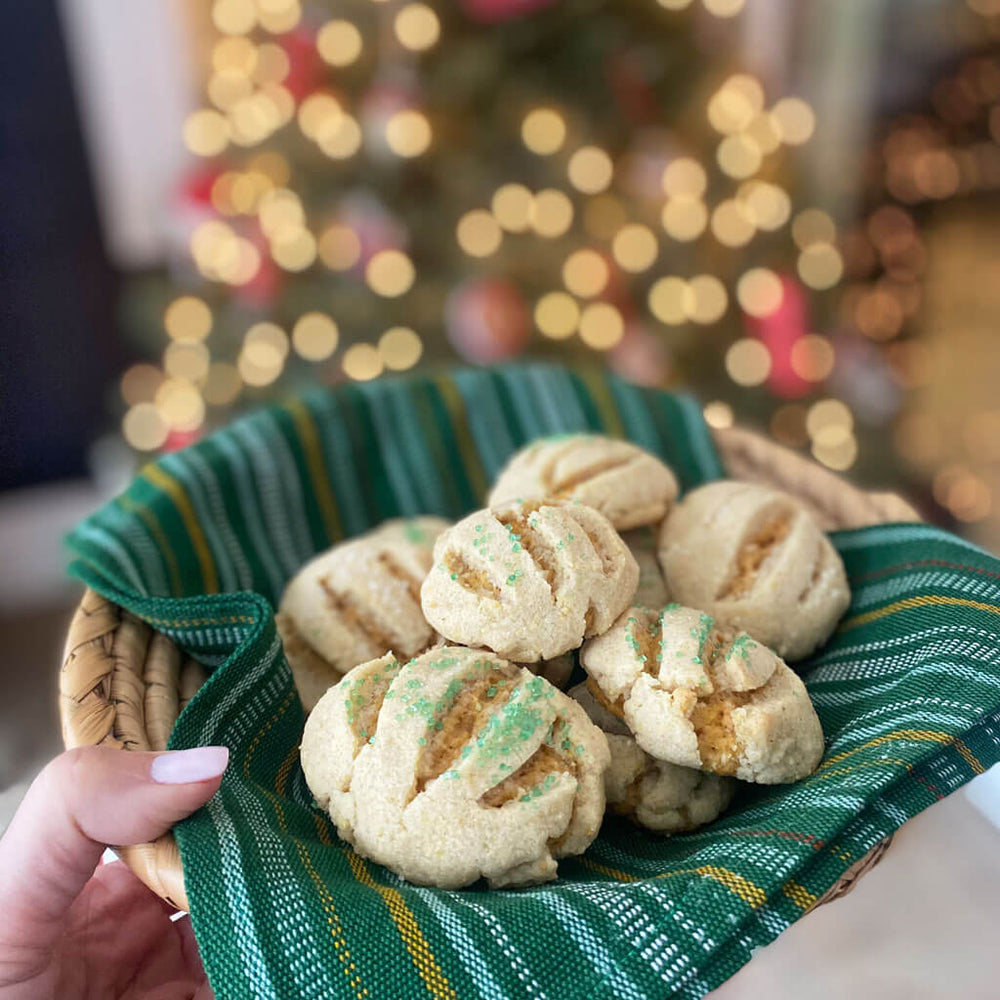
(431, 658)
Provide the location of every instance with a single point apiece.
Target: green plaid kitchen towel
(200, 546)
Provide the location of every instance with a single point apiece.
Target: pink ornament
(306, 71)
(487, 320)
(495, 11)
(779, 331)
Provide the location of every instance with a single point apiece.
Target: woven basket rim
(123, 685)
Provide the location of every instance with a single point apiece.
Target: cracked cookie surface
(356, 601)
(754, 558)
(456, 765)
(627, 484)
(528, 580)
(704, 696)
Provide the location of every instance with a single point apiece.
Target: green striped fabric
(200, 546)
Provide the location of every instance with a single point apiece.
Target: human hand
(69, 932)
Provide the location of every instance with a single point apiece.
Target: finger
(86, 799)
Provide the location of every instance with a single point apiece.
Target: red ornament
(487, 320)
(779, 331)
(495, 11)
(306, 71)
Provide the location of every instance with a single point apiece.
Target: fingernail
(183, 767)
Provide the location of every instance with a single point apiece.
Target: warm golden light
(408, 133)
(339, 43)
(666, 300)
(684, 219)
(143, 427)
(635, 248)
(139, 384)
(543, 131)
(186, 360)
(400, 348)
(234, 17)
(794, 120)
(206, 132)
(294, 251)
(478, 233)
(838, 455)
(188, 318)
(227, 87)
(813, 225)
(760, 292)
(724, 8)
(705, 300)
(390, 273)
(763, 130)
(590, 170)
(748, 362)
(768, 205)
(417, 27)
(551, 213)
(718, 415)
(258, 367)
(738, 156)
(674, 4)
(342, 139)
(266, 341)
(601, 326)
(234, 54)
(820, 266)
(280, 211)
(557, 315)
(684, 177)
(278, 16)
(362, 362)
(812, 357)
(222, 385)
(180, 405)
(273, 66)
(511, 205)
(585, 273)
(319, 111)
(339, 248)
(315, 336)
(828, 413)
(732, 223)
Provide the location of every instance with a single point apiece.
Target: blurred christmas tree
(387, 182)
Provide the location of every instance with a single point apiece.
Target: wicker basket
(123, 685)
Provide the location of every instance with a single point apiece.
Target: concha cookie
(627, 484)
(704, 696)
(652, 589)
(528, 580)
(755, 559)
(456, 765)
(356, 601)
(662, 797)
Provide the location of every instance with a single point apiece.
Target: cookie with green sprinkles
(456, 766)
(355, 602)
(701, 695)
(627, 484)
(529, 580)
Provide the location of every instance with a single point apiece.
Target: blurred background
(787, 208)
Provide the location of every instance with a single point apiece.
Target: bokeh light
(732, 223)
(186, 360)
(339, 43)
(400, 348)
(813, 225)
(362, 362)
(417, 27)
(143, 427)
(585, 273)
(820, 266)
(295, 250)
(760, 292)
(738, 156)
(748, 362)
(684, 218)
(511, 206)
(234, 17)
(724, 8)
(635, 248)
(551, 213)
(684, 177)
(812, 357)
(543, 131)
(187, 318)
(139, 384)
(557, 315)
(667, 298)
(718, 414)
(705, 299)
(408, 133)
(601, 326)
(590, 170)
(339, 247)
(795, 120)
(478, 233)
(315, 336)
(342, 139)
(206, 132)
(390, 273)
(180, 405)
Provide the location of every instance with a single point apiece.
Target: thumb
(85, 799)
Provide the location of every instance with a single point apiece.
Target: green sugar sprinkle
(414, 533)
(422, 741)
(741, 646)
(451, 774)
(479, 527)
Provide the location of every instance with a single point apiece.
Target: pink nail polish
(184, 767)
